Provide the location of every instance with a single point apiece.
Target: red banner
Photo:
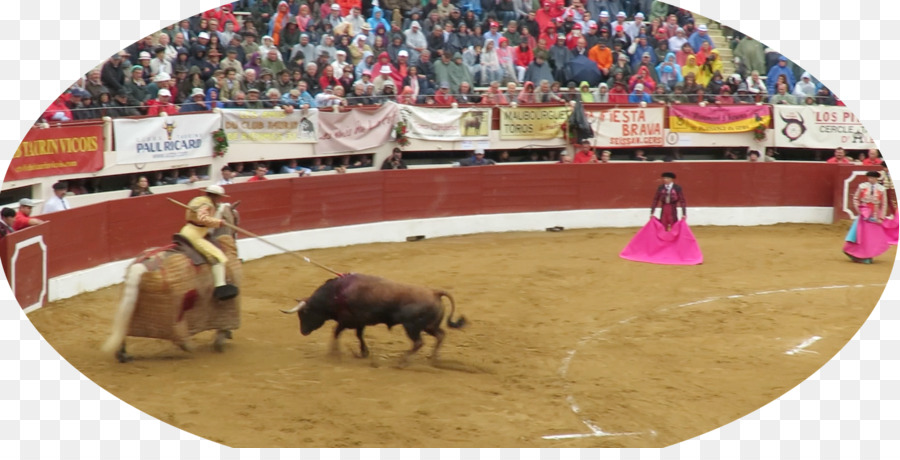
(57, 151)
(718, 119)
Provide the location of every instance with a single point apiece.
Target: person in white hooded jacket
(805, 87)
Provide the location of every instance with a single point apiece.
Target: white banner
(270, 126)
(165, 138)
(819, 127)
(358, 129)
(446, 124)
(628, 127)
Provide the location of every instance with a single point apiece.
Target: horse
(168, 293)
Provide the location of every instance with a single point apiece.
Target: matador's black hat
(873, 174)
(668, 174)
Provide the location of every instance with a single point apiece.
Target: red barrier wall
(117, 230)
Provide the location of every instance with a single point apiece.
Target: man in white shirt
(58, 201)
(227, 176)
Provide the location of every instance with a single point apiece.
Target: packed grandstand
(442, 79)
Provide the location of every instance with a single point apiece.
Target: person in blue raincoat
(378, 18)
(781, 68)
(639, 95)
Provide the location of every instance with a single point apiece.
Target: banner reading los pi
(58, 151)
(820, 127)
(718, 119)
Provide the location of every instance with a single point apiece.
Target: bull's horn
(295, 309)
(235, 204)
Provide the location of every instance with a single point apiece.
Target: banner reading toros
(446, 124)
(356, 130)
(820, 127)
(154, 139)
(628, 127)
(270, 126)
(58, 151)
(532, 122)
(718, 119)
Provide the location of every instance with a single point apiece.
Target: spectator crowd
(296, 54)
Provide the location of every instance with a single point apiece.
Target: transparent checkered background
(849, 409)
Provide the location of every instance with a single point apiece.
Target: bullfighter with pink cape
(892, 225)
(891, 229)
(667, 240)
(867, 237)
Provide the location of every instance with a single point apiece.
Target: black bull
(355, 301)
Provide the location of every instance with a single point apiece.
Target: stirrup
(225, 292)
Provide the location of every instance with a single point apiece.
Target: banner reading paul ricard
(165, 138)
(819, 127)
(532, 122)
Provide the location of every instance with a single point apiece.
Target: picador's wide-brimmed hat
(215, 190)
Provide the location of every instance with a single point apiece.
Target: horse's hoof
(228, 335)
(186, 346)
(219, 347)
(124, 357)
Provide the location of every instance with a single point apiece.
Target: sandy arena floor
(643, 369)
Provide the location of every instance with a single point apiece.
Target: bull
(355, 301)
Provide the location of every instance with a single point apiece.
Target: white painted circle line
(567, 360)
(806, 343)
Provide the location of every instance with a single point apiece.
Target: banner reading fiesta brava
(718, 119)
(628, 127)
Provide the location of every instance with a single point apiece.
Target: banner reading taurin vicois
(446, 124)
(632, 127)
(356, 130)
(165, 138)
(57, 151)
(532, 122)
(270, 126)
(718, 119)
(820, 127)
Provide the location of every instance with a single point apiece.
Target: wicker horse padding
(176, 297)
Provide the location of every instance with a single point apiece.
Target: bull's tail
(126, 307)
(461, 321)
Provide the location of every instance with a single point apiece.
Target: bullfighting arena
(567, 344)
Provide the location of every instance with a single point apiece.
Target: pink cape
(892, 229)
(655, 245)
(871, 238)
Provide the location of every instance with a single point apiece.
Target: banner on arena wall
(56, 151)
(169, 138)
(628, 127)
(446, 124)
(532, 122)
(270, 126)
(357, 129)
(820, 126)
(717, 119)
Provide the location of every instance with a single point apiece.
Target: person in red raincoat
(384, 60)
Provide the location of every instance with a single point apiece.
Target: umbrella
(580, 69)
